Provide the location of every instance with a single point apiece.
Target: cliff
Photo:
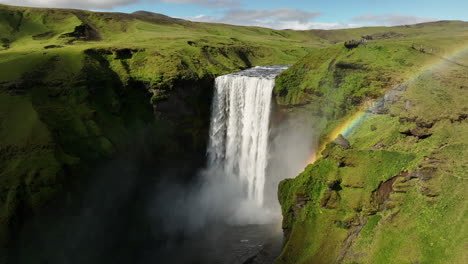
(392, 189)
(83, 90)
(79, 89)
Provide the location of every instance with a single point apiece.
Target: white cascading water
(239, 127)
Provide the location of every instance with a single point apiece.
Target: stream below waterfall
(248, 244)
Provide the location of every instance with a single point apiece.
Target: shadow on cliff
(108, 220)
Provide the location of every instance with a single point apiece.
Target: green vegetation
(78, 87)
(397, 195)
(184, 48)
(334, 81)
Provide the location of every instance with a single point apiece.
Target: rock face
(342, 142)
(77, 126)
(96, 100)
(83, 32)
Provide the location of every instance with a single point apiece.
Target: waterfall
(238, 143)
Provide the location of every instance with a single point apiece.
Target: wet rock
(460, 118)
(392, 216)
(402, 185)
(342, 142)
(330, 66)
(52, 46)
(334, 185)
(350, 239)
(379, 145)
(408, 105)
(301, 200)
(429, 192)
(401, 87)
(425, 124)
(43, 36)
(329, 199)
(343, 162)
(424, 174)
(381, 110)
(342, 224)
(381, 196)
(391, 97)
(431, 160)
(354, 185)
(330, 196)
(384, 190)
(403, 120)
(419, 132)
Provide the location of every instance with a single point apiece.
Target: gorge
(141, 138)
(235, 195)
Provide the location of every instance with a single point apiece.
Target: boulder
(342, 142)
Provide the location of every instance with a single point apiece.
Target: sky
(281, 14)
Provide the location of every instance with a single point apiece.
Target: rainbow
(354, 119)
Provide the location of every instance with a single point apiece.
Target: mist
(216, 198)
(293, 141)
(136, 209)
(211, 218)
(253, 145)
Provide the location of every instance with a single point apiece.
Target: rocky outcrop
(342, 142)
(83, 32)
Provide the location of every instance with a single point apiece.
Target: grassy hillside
(334, 81)
(155, 39)
(396, 195)
(79, 87)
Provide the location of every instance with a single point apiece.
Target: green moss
(56, 128)
(400, 197)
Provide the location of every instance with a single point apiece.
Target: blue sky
(296, 14)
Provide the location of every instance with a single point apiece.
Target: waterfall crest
(239, 129)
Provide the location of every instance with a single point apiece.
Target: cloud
(277, 14)
(210, 3)
(391, 19)
(279, 18)
(110, 4)
(85, 4)
(315, 25)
